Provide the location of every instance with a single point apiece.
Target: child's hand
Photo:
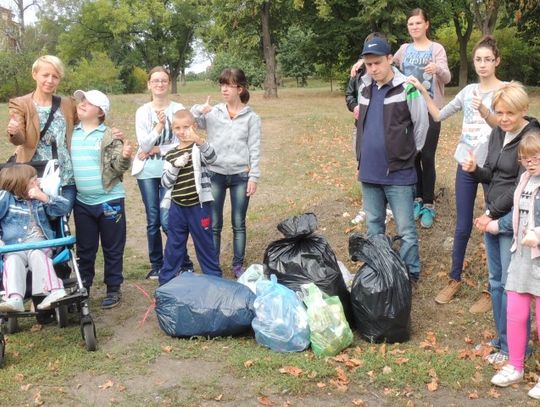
(181, 161)
(117, 133)
(127, 150)
(476, 100)
(35, 192)
(530, 239)
(207, 106)
(431, 68)
(356, 112)
(469, 163)
(161, 116)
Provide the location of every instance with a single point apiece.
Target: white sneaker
(12, 304)
(55, 295)
(535, 391)
(507, 375)
(496, 358)
(359, 218)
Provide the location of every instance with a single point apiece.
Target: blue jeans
(466, 187)
(498, 259)
(237, 185)
(70, 193)
(152, 193)
(400, 198)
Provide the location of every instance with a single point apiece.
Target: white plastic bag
(250, 277)
(50, 181)
(347, 276)
(166, 201)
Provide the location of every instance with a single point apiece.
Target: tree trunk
(486, 18)
(174, 81)
(269, 50)
(463, 39)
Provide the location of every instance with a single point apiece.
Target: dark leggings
(425, 164)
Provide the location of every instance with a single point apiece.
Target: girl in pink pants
(523, 283)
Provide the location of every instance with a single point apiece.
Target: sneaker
(427, 216)
(417, 208)
(153, 274)
(389, 216)
(12, 304)
(54, 296)
(535, 391)
(238, 270)
(496, 359)
(447, 293)
(111, 300)
(482, 305)
(359, 218)
(506, 376)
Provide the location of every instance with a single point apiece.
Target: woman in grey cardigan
(234, 130)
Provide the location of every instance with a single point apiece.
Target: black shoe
(111, 300)
(153, 274)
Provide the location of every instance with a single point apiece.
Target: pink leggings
(518, 310)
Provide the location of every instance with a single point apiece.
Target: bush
(99, 72)
(15, 74)
(136, 80)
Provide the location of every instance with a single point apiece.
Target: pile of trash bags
(298, 297)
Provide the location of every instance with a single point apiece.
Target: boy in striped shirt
(186, 174)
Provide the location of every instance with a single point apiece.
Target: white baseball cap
(95, 97)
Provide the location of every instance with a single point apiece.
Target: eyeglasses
(529, 161)
(156, 81)
(228, 85)
(485, 60)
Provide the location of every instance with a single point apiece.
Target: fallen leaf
(341, 376)
(410, 403)
(382, 349)
(401, 361)
(320, 385)
(494, 393)
(342, 358)
(359, 402)
(292, 370)
(26, 387)
(468, 340)
(265, 401)
(121, 388)
(433, 385)
(19, 377)
(107, 385)
(38, 401)
(386, 370)
(312, 374)
(340, 386)
(218, 398)
(432, 373)
(108, 355)
(249, 363)
(473, 395)
(167, 349)
(36, 328)
(478, 377)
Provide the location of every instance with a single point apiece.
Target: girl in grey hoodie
(234, 130)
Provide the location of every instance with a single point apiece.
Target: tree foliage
(296, 54)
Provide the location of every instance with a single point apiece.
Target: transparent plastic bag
(251, 276)
(329, 330)
(281, 321)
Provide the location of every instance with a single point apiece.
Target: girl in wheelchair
(24, 212)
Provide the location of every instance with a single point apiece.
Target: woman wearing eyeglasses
(155, 138)
(234, 130)
(477, 124)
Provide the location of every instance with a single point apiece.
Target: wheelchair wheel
(2, 349)
(61, 315)
(88, 330)
(12, 325)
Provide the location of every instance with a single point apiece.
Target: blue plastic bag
(281, 321)
(202, 305)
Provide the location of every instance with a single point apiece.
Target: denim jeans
(152, 193)
(70, 193)
(400, 198)
(498, 259)
(466, 188)
(237, 185)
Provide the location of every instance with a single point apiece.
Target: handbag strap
(54, 107)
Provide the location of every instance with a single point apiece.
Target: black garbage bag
(201, 305)
(304, 257)
(381, 290)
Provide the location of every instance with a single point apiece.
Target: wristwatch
(487, 213)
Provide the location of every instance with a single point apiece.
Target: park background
(307, 165)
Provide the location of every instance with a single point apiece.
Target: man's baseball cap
(376, 46)
(95, 97)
